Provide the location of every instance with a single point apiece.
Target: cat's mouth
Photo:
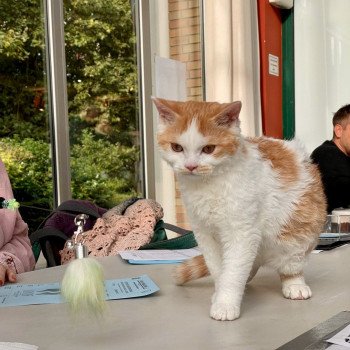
(197, 172)
(190, 173)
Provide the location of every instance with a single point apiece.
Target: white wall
(322, 69)
(164, 176)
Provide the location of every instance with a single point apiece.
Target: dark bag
(59, 226)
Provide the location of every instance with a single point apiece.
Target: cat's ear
(165, 113)
(229, 115)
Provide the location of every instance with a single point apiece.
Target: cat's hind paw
(224, 312)
(297, 291)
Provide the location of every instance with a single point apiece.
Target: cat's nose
(191, 167)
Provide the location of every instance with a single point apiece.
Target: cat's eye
(176, 147)
(208, 149)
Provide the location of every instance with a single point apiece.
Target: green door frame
(288, 93)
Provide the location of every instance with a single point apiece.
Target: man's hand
(6, 274)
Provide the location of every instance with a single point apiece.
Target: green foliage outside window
(102, 81)
(101, 171)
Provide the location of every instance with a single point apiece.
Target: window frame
(58, 102)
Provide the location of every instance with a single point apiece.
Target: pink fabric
(15, 247)
(115, 232)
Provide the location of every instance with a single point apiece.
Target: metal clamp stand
(79, 248)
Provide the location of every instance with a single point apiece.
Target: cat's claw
(224, 312)
(297, 291)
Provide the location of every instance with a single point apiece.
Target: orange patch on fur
(225, 144)
(308, 217)
(310, 213)
(287, 277)
(204, 114)
(190, 270)
(282, 159)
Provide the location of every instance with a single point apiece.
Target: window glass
(24, 136)
(102, 95)
(322, 53)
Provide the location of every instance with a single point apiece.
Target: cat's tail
(190, 270)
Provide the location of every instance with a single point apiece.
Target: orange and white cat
(250, 201)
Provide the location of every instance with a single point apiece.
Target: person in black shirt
(333, 159)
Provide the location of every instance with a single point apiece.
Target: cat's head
(197, 137)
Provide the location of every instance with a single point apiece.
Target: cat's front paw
(224, 312)
(297, 291)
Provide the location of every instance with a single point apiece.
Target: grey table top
(178, 317)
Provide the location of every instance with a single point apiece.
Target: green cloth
(160, 240)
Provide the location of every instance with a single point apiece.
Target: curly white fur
(250, 202)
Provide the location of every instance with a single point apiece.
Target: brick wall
(185, 42)
(185, 46)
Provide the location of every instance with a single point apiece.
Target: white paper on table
(337, 347)
(17, 346)
(342, 338)
(160, 254)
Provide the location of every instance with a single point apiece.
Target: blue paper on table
(130, 287)
(49, 293)
(158, 256)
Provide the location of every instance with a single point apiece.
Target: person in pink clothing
(16, 255)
